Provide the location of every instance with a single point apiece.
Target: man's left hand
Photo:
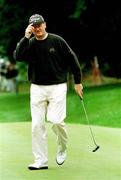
(79, 90)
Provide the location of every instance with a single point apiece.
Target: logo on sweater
(52, 50)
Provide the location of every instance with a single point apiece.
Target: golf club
(97, 147)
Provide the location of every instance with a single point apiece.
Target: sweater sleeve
(73, 62)
(21, 51)
(75, 67)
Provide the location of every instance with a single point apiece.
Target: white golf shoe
(37, 166)
(61, 157)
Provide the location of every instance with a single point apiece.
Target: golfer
(49, 59)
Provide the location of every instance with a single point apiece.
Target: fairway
(81, 164)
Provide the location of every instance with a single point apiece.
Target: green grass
(102, 104)
(103, 108)
(81, 164)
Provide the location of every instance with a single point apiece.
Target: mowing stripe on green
(81, 164)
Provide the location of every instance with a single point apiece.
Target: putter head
(96, 149)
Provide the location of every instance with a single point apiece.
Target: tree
(11, 14)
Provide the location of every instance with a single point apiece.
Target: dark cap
(36, 19)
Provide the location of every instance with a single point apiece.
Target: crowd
(8, 75)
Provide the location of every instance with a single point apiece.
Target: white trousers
(47, 102)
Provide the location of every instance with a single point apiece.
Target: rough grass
(102, 104)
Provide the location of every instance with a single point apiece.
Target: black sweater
(49, 60)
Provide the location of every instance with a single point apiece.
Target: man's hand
(79, 90)
(28, 31)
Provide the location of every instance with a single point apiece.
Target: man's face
(39, 29)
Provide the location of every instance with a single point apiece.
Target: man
(49, 60)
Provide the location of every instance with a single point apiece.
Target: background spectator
(11, 74)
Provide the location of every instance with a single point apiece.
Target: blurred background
(91, 27)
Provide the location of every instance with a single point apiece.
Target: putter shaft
(97, 147)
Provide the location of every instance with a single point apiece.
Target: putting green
(81, 164)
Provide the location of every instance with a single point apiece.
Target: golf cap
(36, 19)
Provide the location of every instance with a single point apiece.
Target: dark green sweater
(49, 60)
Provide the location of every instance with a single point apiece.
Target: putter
(97, 147)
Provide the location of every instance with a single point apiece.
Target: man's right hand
(28, 31)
